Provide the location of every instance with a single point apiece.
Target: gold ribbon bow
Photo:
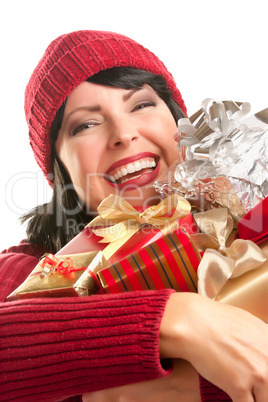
(219, 263)
(118, 220)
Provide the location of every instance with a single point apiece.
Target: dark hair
(55, 223)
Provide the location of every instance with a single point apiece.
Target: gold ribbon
(118, 220)
(220, 263)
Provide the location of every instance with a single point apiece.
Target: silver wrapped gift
(223, 158)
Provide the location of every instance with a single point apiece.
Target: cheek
(166, 130)
(85, 167)
(80, 158)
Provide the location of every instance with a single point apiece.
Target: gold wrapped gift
(250, 290)
(54, 276)
(118, 222)
(232, 272)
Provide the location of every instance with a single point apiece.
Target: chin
(141, 198)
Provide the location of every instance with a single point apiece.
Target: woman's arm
(68, 346)
(62, 347)
(180, 385)
(226, 345)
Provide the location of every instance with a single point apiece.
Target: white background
(214, 49)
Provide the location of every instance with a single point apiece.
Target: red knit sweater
(53, 349)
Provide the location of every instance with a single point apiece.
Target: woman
(99, 125)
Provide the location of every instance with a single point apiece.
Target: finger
(249, 397)
(260, 393)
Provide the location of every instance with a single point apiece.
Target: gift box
(250, 290)
(223, 158)
(236, 273)
(87, 254)
(169, 262)
(54, 276)
(223, 166)
(145, 258)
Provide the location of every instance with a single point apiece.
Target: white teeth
(131, 168)
(137, 166)
(144, 164)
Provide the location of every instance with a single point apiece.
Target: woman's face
(115, 140)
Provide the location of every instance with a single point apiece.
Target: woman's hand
(181, 385)
(226, 345)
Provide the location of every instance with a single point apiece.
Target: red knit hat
(68, 61)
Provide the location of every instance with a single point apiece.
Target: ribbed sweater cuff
(55, 348)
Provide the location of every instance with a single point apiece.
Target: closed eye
(143, 105)
(85, 126)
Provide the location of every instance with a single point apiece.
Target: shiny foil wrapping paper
(75, 269)
(51, 282)
(223, 158)
(171, 261)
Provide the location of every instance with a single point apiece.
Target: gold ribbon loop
(217, 266)
(118, 220)
(217, 223)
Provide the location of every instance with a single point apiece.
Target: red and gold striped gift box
(169, 262)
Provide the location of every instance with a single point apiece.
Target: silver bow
(224, 154)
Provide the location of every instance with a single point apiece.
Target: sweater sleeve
(58, 348)
(210, 393)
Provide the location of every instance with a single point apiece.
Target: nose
(122, 133)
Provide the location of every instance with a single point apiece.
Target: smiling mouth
(133, 170)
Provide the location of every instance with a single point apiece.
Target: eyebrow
(131, 93)
(97, 108)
